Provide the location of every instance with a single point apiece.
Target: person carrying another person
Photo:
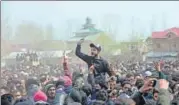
(101, 66)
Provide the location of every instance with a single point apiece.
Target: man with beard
(50, 91)
(126, 87)
(101, 66)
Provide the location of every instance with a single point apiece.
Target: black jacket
(101, 66)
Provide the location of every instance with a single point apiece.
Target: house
(164, 44)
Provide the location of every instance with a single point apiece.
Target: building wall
(165, 44)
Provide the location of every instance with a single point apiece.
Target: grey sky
(65, 14)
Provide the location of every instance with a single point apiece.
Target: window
(169, 35)
(158, 45)
(174, 45)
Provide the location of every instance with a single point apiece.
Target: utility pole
(153, 23)
(164, 20)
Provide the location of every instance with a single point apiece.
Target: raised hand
(91, 69)
(147, 86)
(81, 41)
(158, 66)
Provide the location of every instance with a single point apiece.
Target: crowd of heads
(45, 84)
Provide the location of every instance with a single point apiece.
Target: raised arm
(163, 95)
(66, 67)
(81, 55)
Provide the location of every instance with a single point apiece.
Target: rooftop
(162, 34)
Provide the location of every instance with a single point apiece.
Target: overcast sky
(58, 13)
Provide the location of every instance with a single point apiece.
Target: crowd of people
(29, 56)
(102, 83)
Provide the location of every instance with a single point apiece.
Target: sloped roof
(75, 39)
(89, 37)
(162, 34)
(88, 30)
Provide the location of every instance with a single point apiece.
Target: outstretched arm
(81, 55)
(163, 95)
(66, 67)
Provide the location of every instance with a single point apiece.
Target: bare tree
(153, 23)
(110, 24)
(6, 29)
(49, 31)
(29, 32)
(164, 20)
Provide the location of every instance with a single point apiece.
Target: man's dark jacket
(101, 66)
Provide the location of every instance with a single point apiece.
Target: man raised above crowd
(101, 66)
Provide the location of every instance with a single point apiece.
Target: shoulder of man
(104, 60)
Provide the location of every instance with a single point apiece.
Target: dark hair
(129, 75)
(112, 78)
(101, 95)
(20, 100)
(31, 81)
(7, 97)
(43, 78)
(125, 82)
(174, 85)
(87, 89)
(5, 102)
(59, 82)
(139, 83)
(155, 91)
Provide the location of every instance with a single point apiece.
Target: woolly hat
(40, 96)
(48, 86)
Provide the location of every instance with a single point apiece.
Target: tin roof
(162, 34)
